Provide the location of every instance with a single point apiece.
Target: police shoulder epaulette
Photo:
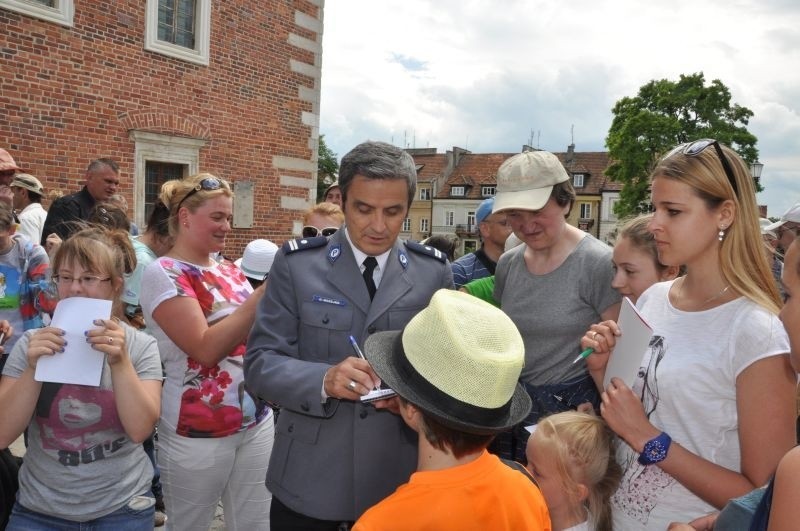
(302, 244)
(426, 250)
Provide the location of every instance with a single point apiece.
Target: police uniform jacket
(333, 460)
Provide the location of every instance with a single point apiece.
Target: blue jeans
(546, 399)
(137, 515)
(150, 450)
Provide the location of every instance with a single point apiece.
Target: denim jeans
(136, 515)
(150, 450)
(546, 399)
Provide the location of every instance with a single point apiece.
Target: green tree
(327, 168)
(664, 114)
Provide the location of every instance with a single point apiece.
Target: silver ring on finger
(352, 385)
(594, 336)
(110, 340)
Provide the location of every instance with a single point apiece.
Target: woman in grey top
(553, 287)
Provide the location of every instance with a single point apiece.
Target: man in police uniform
(335, 457)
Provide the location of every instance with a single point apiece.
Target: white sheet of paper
(79, 363)
(626, 359)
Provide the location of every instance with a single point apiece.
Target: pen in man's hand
(583, 355)
(360, 354)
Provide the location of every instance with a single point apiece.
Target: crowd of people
(352, 380)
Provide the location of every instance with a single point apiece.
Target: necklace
(714, 297)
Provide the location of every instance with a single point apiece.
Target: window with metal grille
(176, 22)
(156, 174)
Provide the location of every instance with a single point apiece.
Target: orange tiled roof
(474, 170)
(430, 166)
(478, 169)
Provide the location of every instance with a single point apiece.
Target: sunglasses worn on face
(310, 231)
(692, 149)
(208, 184)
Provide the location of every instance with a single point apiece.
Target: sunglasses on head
(309, 231)
(692, 149)
(208, 184)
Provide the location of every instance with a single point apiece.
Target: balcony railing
(467, 229)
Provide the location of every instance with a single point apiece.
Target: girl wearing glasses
(323, 219)
(699, 427)
(84, 464)
(215, 439)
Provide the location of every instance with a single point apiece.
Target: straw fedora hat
(459, 360)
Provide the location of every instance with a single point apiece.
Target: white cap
(764, 222)
(257, 259)
(790, 216)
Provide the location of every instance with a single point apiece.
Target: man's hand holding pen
(350, 379)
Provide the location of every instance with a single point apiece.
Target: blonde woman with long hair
(712, 410)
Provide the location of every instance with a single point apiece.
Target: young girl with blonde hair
(571, 456)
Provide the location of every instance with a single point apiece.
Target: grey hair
(98, 164)
(377, 160)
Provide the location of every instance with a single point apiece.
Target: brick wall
(72, 94)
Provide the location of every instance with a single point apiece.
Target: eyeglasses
(692, 149)
(86, 281)
(309, 231)
(208, 184)
(502, 222)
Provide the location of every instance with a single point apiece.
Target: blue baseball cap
(484, 210)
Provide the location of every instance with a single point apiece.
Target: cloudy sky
(490, 76)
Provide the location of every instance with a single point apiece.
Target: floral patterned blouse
(200, 401)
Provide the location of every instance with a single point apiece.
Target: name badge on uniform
(334, 252)
(328, 300)
(403, 258)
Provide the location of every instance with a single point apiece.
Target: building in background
(459, 180)
(169, 88)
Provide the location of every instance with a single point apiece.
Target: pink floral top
(200, 401)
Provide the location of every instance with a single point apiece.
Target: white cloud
(482, 75)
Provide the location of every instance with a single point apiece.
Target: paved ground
(18, 449)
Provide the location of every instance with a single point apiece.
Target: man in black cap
(456, 367)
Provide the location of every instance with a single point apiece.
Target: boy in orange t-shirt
(455, 368)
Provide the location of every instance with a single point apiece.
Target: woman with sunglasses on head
(84, 467)
(323, 219)
(215, 439)
(700, 428)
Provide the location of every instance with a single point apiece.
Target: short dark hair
(564, 194)
(378, 160)
(99, 163)
(457, 442)
(158, 222)
(33, 197)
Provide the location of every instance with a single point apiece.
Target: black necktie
(370, 263)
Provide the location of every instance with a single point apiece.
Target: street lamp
(755, 170)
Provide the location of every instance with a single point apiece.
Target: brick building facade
(232, 88)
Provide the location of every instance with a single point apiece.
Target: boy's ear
(411, 415)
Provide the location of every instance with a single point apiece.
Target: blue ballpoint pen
(360, 354)
(583, 355)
